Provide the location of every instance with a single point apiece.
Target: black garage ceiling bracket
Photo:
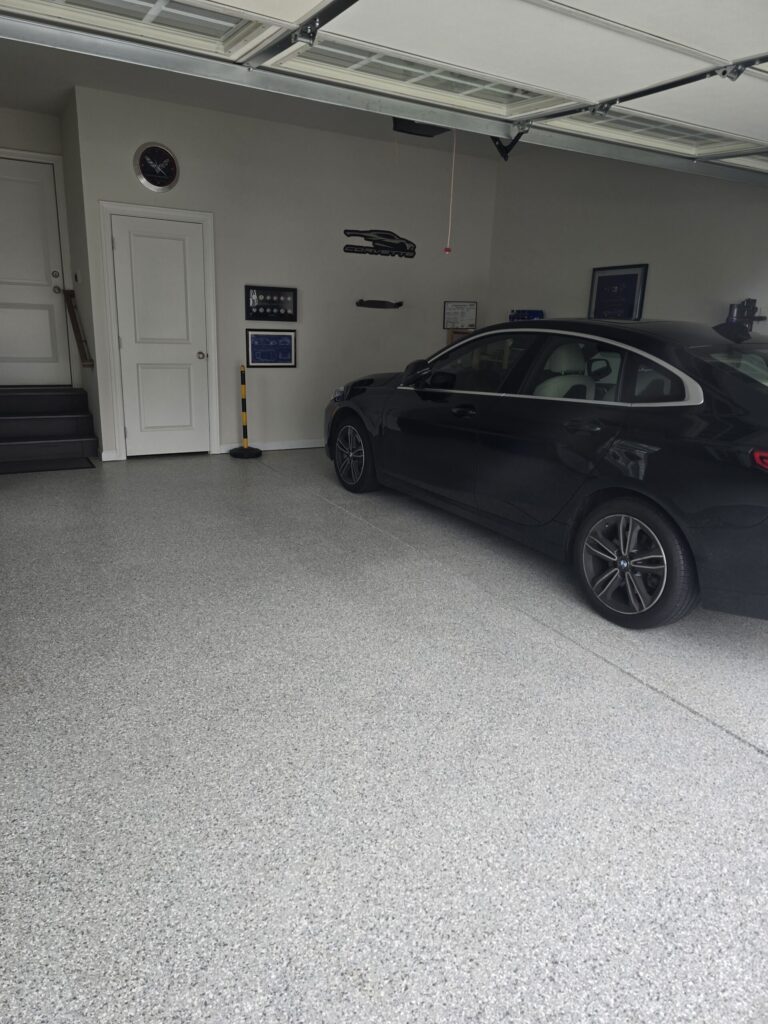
(505, 148)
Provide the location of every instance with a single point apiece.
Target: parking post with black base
(244, 451)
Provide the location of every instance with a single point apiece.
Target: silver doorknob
(57, 290)
(201, 355)
(55, 273)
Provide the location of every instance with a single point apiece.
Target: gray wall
(281, 196)
(560, 214)
(35, 133)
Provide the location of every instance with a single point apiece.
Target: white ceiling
(507, 60)
(518, 41)
(724, 28)
(740, 107)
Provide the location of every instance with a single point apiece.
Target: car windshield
(748, 360)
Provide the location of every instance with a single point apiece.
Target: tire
(353, 456)
(634, 565)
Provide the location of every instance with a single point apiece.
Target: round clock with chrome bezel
(156, 167)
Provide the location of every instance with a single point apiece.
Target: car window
(577, 368)
(752, 364)
(480, 365)
(652, 383)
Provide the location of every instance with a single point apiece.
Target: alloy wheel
(624, 564)
(350, 455)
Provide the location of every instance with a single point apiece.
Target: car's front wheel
(634, 564)
(353, 457)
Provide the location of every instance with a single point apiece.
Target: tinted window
(750, 362)
(579, 369)
(652, 383)
(482, 365)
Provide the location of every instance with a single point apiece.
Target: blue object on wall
(526, 314)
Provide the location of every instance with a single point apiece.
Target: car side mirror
(599, 368)
(415, 370)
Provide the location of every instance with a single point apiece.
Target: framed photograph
(617, 292)
(270, 348)
(271, 302)
(459, 316)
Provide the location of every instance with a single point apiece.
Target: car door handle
(464, 410)
(584, 426)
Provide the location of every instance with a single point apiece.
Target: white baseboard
(273, 446)
(111, 454)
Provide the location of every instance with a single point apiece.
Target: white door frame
(57, 164)
(108, 211)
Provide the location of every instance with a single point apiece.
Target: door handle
(56, 290)
(584, 426)
(463, 410)
(202, 355)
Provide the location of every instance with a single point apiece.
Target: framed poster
(270, 348)
(271, 302)
(459, 316)
(618, 292)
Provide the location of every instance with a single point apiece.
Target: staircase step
(25, 428)
(41, 465)
(48, 401)
(48, 448)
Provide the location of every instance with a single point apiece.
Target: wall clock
(156, 167)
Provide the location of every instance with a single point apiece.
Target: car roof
(674, 331)
(679, 333)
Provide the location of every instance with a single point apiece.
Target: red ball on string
(447, 250)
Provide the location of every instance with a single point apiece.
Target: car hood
(375, 380)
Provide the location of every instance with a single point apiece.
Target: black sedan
(637, 450)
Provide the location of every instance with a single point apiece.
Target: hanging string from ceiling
(447, 247)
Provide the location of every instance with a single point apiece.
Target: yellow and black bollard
(244, 451)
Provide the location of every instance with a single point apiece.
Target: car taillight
(761, 458)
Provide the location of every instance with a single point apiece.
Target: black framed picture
(459, 315)
(618, 292)
(270, 348)
(271, 302)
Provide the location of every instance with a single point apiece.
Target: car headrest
(567, 359)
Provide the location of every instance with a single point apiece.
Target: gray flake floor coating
(276, 753)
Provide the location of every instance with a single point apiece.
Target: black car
(637, 450)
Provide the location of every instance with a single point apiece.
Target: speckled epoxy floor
(273, 753)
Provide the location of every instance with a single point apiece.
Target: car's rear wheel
(353, 457)
(634, 565)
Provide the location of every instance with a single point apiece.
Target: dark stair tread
(46, 440)
(42, 403)
(44, 465)
(47, 448)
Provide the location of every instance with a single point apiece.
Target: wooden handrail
(86, 359)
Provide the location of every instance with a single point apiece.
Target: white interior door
(160, 292)
(33, 319)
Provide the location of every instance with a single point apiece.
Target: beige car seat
(569, 375)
